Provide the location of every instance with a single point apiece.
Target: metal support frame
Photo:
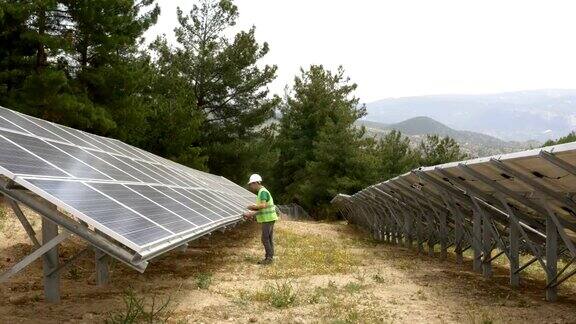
(24, 221)
(481, 213)
(50, 261)
(102, 264)
(551, 260)
(56, 228)
(69, 262)
(47, 245)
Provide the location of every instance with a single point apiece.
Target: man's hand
(249, 215)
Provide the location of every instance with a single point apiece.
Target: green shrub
(279, 295)
(138, 310)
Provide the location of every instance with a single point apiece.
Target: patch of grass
(301, 255)
(203, 280)
(353, 311)
(481, 318)
(278, 295)
(324, 294)
(250, 258)
(243, 298)
(139, 310)
(352, 287)
(404, 264)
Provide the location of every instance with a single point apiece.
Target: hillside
(512, 116)
(473, 143)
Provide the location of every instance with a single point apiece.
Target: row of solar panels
(142, 201)
(532, 186)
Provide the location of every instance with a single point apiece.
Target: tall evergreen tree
(230, 89)
(394, 156)
(436, 150)
(320, 148)
(68, 61)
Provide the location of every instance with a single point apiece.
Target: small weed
(138, 310)
(243, 298)
(74, 273)
(203, 280)
(378, 278)
(479, 318)
(36, 297)
(278, 295)
(352, 287)
(324, 294)
(360, 276)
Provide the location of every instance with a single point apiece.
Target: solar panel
(142, 201)
(514, 202)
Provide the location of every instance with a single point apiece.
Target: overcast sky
(414, 47)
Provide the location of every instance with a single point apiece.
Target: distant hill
(512, 116)
(474, 144)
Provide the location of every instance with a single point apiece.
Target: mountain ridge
(511, 116)
(473, 143)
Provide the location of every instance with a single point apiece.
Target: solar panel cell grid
(17, 161)
(106, 183)
(28, 125)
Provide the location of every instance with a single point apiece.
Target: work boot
(265, 261)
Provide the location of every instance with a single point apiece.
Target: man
(265, 213)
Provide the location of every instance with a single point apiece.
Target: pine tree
(435, 150)
(321, 151)
(230, 89)
(394, 156)
(72, 61)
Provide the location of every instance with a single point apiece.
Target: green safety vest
(267, 214)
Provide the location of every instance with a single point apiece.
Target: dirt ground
(324, 272)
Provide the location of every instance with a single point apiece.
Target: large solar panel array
(523, 201)
(140, 200)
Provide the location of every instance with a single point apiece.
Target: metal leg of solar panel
(69, 262)
(33, 256)
(458, 225)
(102, 263)
(551, 259)
(430, 234)
(50, 262)
(24, 221)
(443, 237)
(477, 240)
(442, 233)
(486, 244)
(419, 232)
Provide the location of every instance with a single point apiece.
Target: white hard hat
(255, 178)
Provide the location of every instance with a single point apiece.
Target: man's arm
(259, 206)
(264, 198)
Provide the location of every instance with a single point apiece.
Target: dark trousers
(268, 238)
